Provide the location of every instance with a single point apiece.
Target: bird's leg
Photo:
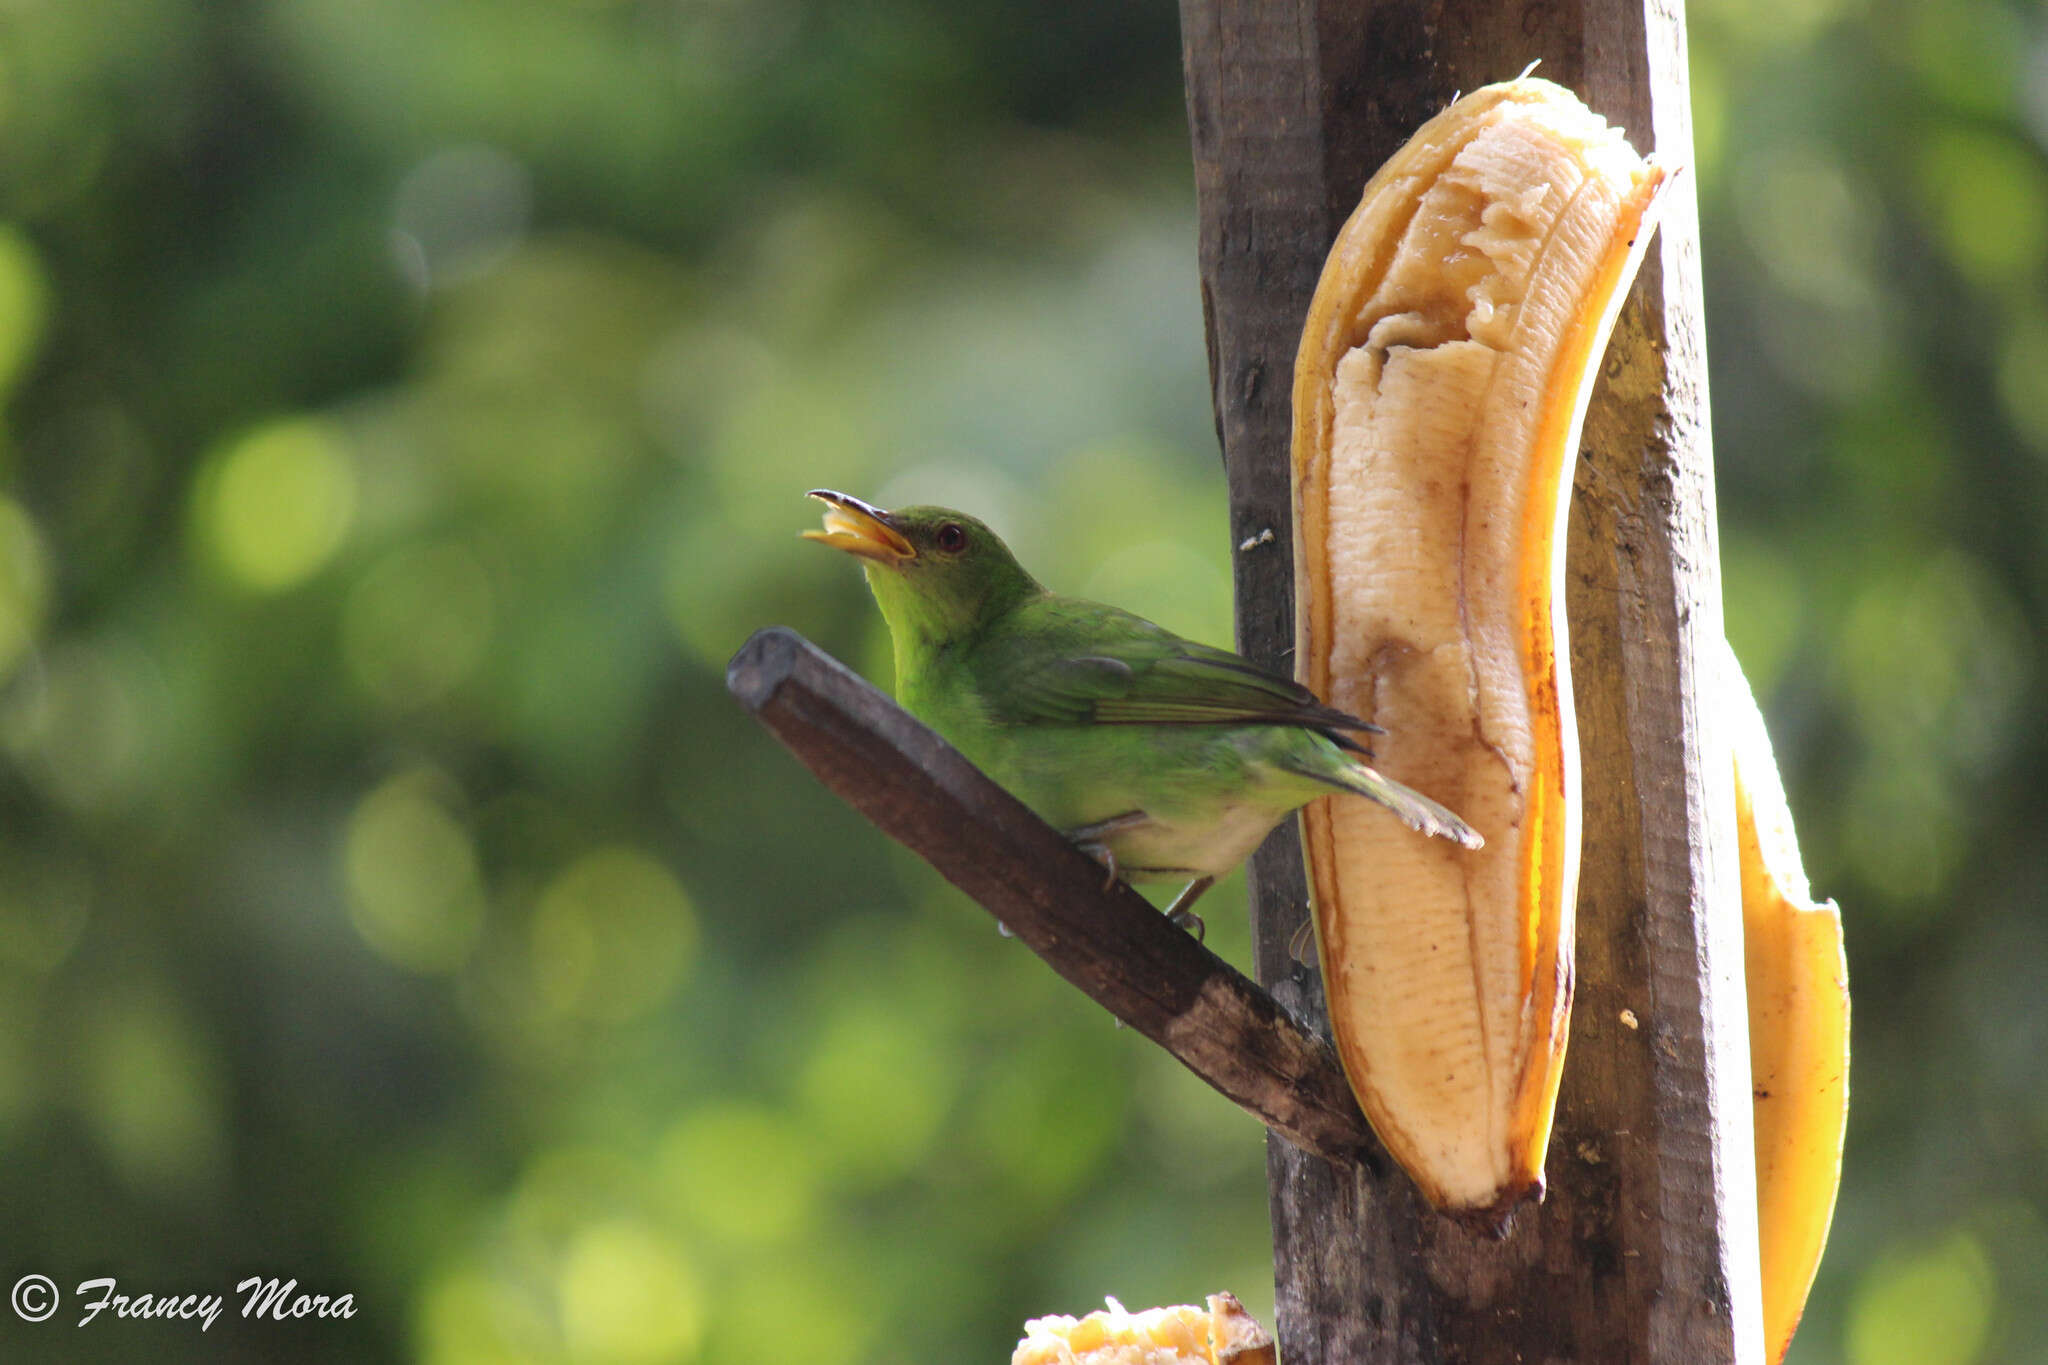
(1178, 912)
(1093, 840)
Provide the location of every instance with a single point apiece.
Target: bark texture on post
(1645, 1249)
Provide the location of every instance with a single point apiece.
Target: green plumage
(1164, 757)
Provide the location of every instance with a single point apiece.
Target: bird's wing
(1076, 663)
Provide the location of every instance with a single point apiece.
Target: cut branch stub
(1107, 940)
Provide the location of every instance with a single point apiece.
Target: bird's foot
(1181, 915)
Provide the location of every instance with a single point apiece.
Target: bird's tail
(1414, 810)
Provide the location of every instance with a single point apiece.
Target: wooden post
(1645, 1250)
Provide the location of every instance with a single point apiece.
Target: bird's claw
(1091, 840)
(1301, 946)
(1188, 920)
(1101, 854)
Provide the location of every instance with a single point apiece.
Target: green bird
(1160, 757)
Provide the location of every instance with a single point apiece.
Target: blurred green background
(406, 407)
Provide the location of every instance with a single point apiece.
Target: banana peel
(1440, 387)
(1797, 978)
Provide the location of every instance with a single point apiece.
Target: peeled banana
(1224, 1334)
(1798, 982)
(1439, 391)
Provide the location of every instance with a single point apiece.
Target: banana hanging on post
(1439, 392)
(1798, 983)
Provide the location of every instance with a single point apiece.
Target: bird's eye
(952, 538)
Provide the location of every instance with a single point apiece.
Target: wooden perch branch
(1107, 940)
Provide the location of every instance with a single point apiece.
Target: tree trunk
(1645, 1249)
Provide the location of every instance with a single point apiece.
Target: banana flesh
(1439, 391)
(1798, 982)
(1223, 1334)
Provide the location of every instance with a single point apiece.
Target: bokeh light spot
(628, 1297)
(274, 505)
(24, 585)
(1986, 197)
(742, 1173)
(24, 304)
(1812, 226)
(84, 730)
(1932, 1306)
(468, 1318)
(415, 893)
(611, 936)
(152, 1095)
(459, 212)
(1902, 827)
(1933, 659)
(875, 1088)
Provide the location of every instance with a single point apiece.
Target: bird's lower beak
(859, 528)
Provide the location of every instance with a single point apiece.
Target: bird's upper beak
(859, 528)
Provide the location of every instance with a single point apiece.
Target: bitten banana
(1798, 981)
(1440, 387)
(1184, 1335)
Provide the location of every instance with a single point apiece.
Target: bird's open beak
(859, 528)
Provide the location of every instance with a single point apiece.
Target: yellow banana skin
(1798, 983)
(1441, 383)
